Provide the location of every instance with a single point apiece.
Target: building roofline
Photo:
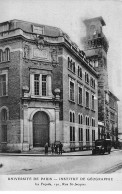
(114, 96)
(95, 19)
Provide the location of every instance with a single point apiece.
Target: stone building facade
(48, 89)
(96, 47)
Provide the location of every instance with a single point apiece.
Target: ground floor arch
(40, 129)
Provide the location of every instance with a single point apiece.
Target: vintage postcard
(60, 95)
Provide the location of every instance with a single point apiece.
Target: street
(82, 162)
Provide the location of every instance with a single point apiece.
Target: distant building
(96, 47)
(48, 89)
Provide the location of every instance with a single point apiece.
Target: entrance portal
(40, 129)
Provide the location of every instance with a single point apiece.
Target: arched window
(4, 115)
(81, 119)
(86, 121)
(1, 55)
(70, 116)
(73, 117)
(7, 54)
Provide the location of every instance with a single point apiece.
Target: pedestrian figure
(46, 148)
(52, 148)
(60, 148)
(55, 149)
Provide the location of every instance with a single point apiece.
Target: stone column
(25, 128)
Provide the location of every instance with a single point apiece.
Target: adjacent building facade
(96, 47)
(48, 89)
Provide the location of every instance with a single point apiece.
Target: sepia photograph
(60, 95)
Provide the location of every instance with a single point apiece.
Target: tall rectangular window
(87, 99)
(44, 85)
(4, 133)
(72, 133)
(80, 95)
(92, 102)
(93, 135)
(3, 85)
(87, 135)
(72, 91)
(80, 134)
(36, 84)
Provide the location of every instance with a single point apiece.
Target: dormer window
(71, 65)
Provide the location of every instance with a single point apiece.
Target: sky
(69, 15)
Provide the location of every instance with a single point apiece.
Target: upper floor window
(5, 56)
(80, 119)
(87, 99)
(71, 90)
(3, 114)
(87, 121)
(72, 117)
(40, 85)
(1, 55)
(93, 122)
(86, 77)
(92, 82)
(71, 65)
(3, 83)
(92, 102)
(80, 95)
(80, 72)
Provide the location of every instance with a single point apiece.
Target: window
(40, 84)
(92, 82)
(80, 72)
(87, 78)
(93, 135)
(36, 84)
(44, 85)
(7, 54)
(71, 65)
(87, 121)
(92, 102)
(1, 55)
(80, 119)
(4, 115)
(72, 133)
(80, 134)
(4, 133)
(3, 84)
(80, 95)
(87, 135)
(71, 92)
(93, 122)
(87, 99)
(72, 117)
(4, 125)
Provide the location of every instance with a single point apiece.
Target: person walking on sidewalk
(46, 148)
(52, 148)
(60, 148)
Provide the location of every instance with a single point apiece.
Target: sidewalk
(41, 153)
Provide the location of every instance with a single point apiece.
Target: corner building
(48, 90)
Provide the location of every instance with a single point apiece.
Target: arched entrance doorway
(40, 129)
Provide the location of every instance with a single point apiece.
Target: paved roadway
(77, 163)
